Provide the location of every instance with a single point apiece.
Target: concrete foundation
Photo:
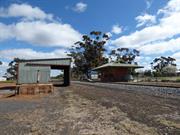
(33, 89)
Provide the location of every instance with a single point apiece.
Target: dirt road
(89, 110)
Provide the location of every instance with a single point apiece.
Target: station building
(115, 72)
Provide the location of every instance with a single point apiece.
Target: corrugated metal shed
(38, 70)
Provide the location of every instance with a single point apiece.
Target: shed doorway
(62, 77)
(57, 76)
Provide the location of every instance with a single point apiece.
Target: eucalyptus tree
(89, 52)
(124, 55)
(163, 64)
(11, 72)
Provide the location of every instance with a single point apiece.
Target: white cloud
(161, 47)
(80, 7)
(3, 69)
(144, 61)
(28, 53)
(41, 33)
(176, 55)
(35, 29)
(116, 29)
(47, 34)
(164, 31)
(26, 11)
(145, 19)
(5, 32)
(171, 7)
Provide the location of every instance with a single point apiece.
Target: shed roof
(117, 65)
(48, 62)
(49, 59)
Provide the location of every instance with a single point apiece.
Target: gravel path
(89, 110)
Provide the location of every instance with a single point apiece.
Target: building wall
(31, 74)
(114, 74)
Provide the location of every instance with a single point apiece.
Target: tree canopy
(160, 64)
(11, 72)
(124, 55)
(88, 53)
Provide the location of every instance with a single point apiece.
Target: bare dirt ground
(89, 110)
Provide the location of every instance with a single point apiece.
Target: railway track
(156, 90)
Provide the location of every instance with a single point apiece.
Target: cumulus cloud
(24, 10)
(50, 34)
(41, 33)
(27, 53)
(145, 19)
(171, 7)
(80, 7)
(116, 29)
(157, 35)
(37, 31)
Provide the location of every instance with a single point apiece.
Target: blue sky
(46, 28)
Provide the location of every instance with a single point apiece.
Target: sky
(48, 28)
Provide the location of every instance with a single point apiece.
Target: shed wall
(29, 74)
